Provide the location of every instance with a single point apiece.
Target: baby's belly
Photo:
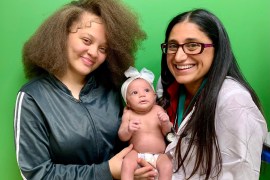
(145, 143)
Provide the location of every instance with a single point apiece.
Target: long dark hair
(201, 125)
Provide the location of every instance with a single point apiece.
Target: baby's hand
(163, 117)
(134, 125)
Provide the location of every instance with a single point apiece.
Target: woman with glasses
(219, 128)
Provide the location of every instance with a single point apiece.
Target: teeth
(184, 67)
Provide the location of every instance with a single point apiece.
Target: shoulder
(157, 108)
(233, 95)
(235, 108)
(34, 84)
(126, 112)
(232, 84)
(37, 88)
(233, 90)
(35, 91)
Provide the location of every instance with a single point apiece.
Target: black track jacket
(60, 137)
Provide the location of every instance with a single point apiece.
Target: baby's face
(140, 95)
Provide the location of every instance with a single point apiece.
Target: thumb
(142, 162)
(125, 151)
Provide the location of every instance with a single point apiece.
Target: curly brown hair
(46, 51)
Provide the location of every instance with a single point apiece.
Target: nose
(180, 55)
(141, 93)
(92, 51)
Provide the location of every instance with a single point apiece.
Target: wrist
(112, 169)
(171, 135)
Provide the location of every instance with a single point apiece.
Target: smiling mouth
(87, 61)
(184, 67)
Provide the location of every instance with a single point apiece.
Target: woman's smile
(87, 61)
(184, 67)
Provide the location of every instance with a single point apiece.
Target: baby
(144, 124)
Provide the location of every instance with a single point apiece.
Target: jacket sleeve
(241, 130)
(33, 148)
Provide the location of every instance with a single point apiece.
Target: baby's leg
(129, 165)
(164, 167)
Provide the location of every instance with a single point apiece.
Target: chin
(183, 81)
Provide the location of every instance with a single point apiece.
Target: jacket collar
(89, 85)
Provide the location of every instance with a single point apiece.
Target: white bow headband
(132, 74)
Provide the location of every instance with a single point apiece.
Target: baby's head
(138, 82)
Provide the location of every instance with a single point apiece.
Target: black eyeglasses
(190, 48)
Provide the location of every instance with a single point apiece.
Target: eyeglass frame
(203, 45)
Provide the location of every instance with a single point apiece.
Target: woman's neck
(74, 83)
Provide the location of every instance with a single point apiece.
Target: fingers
(134, 125)
(163, 116)
(143, 163)
(147, 172)
(135, 121)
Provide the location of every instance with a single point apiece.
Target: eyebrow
(86, 33)
(186, 40)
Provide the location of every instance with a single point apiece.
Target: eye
(103, 50)
(134, 92)
(172, 46)
(147, 90)
(87, 41)
(192, 46)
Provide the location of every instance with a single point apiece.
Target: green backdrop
(247, 22)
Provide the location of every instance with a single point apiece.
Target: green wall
(247, 22)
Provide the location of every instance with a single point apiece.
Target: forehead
(138, 83)
(187, 30)
(90, 26)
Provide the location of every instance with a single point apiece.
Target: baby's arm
(128, 126)
(166, 125)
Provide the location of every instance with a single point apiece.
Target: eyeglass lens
(191, 48)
